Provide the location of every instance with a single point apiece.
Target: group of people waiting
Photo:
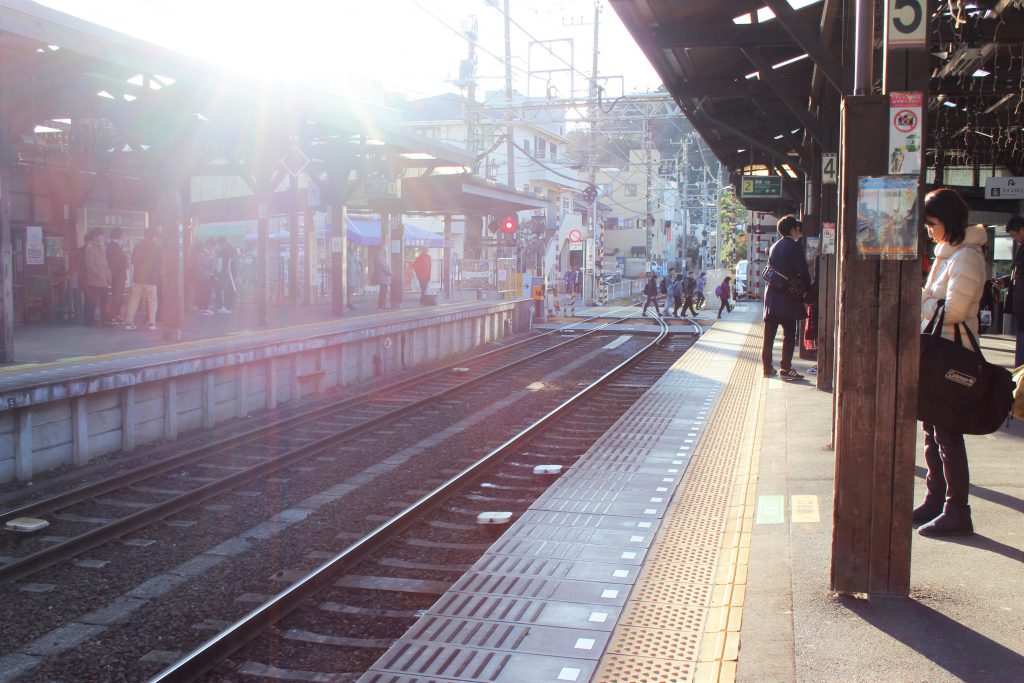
(102, 271)
(684, 292)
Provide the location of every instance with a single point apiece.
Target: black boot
(929, 509)
(955, 520)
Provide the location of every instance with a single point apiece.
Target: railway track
(245, 457)
(358, 585)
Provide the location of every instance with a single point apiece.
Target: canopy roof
(752, 75)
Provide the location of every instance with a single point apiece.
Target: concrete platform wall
(71, 422)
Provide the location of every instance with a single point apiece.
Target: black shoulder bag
(958, 389)
(793, 285)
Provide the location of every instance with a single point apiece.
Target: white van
(741, 279)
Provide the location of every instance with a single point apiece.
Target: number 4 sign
(829, 168)
(905, 24)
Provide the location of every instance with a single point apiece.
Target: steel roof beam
(807, 38)
(806, 119)
(690, 34)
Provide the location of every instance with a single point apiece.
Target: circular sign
(905, 120)
(575, 235)
(387, 342)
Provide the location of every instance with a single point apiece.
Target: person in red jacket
(421, 268)
(724, 292)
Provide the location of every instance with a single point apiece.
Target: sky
(411, 46)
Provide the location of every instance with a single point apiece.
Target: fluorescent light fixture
(742, 19)
(137, 79)
(104, 93)
(794, 131)
(128, 97)
(756, 74)
(417, 155)
(778, 137)
(740, 151)
(53, 48)
(949, 103)
(981, 73)
(166, 80)
(764, 14)
(789, 61)
(155, 85)
(46, 129)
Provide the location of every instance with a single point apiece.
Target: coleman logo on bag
(961, 378)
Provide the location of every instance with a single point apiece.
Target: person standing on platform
(675, 291)
(226, 258)
(146, 264)
(957, 277)
(689, 294)
(382, 277)
(651, 292)
(421, 267)
(97, 278)
(1014, 283)
(353, 277)
(204, 276)
(117, 260)
(698, 295)
(781, 309)
(724, 292)
(666, 285)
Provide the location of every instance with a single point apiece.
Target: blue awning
(366, 233)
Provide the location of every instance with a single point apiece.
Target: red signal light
(508, 226)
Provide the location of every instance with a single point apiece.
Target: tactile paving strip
(542, 603)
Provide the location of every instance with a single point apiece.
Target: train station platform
(692, 543)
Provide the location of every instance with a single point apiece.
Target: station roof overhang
(464, 194)
(707, 53)
(60, 64)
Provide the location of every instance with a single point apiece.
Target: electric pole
(596, 233)
(510, 141)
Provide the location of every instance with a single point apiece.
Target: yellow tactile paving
(683, 618)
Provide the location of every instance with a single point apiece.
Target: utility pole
(510, 149)
(648, 214)
(595, 229)
(682, 180)
(467, 79)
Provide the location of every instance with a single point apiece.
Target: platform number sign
(829, 168)
(907, 24)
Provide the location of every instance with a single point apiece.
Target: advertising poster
(905, 133)
(828, 238)
(887, 224)
(34, 250)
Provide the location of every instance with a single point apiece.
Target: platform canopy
(77, 94)
(752, 77)
(463, 193)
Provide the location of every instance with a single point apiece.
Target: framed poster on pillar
(887, 224)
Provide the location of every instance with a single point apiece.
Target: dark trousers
(688, 306)
(382, 297)
(95, 300)
(771, 326)
(946, 455)
(650, 300)
(423, 288)
(204, 291)
(116, 297)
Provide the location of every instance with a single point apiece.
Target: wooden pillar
(294, 282)
(338, 218)
(166, 203)
(6, 260)
(879, 313)
(396, 247)
(263, 196)
(308, 262)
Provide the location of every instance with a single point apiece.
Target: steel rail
(47, 557)
(230, 640)
(79, 494)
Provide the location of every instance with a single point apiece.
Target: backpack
(718, 290)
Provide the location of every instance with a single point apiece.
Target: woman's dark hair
(950, 208)
(727, 278)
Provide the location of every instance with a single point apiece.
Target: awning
(366, 233)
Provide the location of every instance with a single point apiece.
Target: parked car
(611, 278)
(740, 284)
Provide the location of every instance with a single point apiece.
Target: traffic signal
(494, 226)
(590, 194)
(508, 225)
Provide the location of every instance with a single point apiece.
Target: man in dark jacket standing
(118, 262)
(1015, 283)
(146, 265)
(781, 309)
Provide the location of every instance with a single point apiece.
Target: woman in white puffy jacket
(957, 276)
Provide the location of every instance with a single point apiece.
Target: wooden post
(446, 258)
(879, 310)
(294, 283)
(6, 263)
(263, 196)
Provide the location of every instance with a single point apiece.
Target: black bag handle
(936, 330)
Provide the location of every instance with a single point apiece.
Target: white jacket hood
(974, 236)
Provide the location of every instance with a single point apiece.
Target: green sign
(761, 186)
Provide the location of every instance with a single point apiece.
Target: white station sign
(1004, 188)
